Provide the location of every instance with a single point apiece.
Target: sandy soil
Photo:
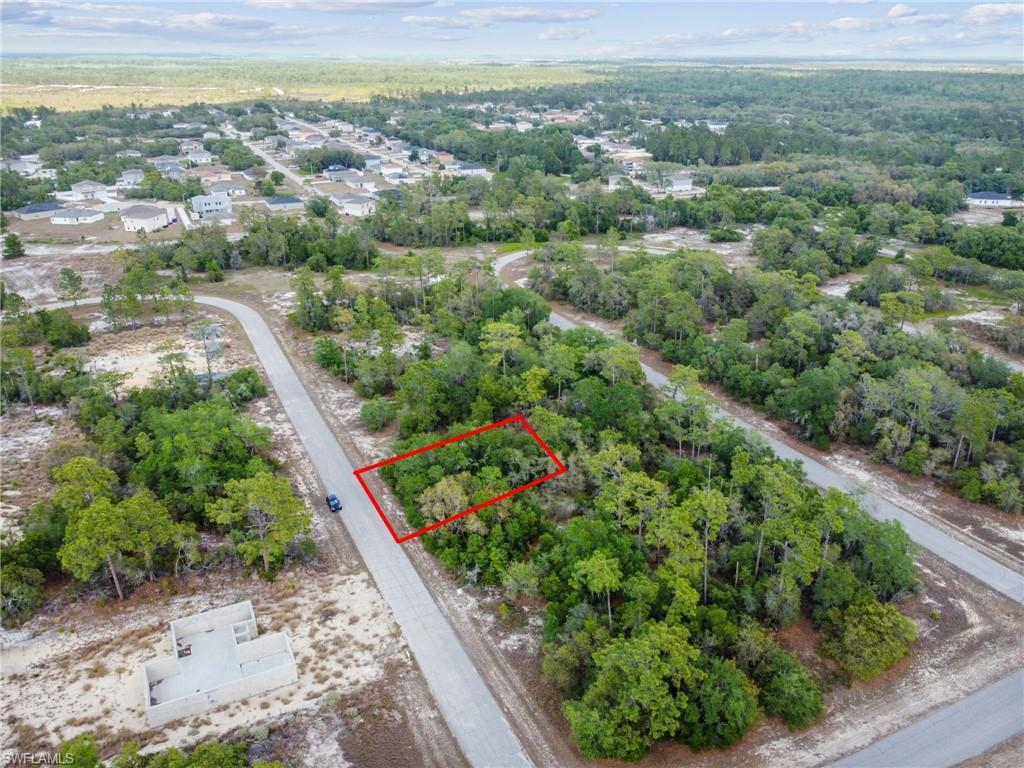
(735, 254)
(35, 276)
(360, 700)
(976, 215)
(24, 463)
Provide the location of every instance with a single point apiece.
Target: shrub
(244, 385)
(377, 413)
(867, 638)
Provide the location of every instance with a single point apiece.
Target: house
(189, 145)
(679, 182)
(130, 177)
(144, 218)
(36, 211)
(200, 157)
(284, 203)
(355, 205)
(167, 164)
(229, 188)
(395, 175)
(472, 169)
(344, 175)
(76, 216)
(204, 205)
(372, 162)
(991, 199)
(83, 190)
(128, 153)
(614, 180)
(217, 657)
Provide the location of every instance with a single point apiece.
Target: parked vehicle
(333, 504)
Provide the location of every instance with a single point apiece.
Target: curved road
(472, 714)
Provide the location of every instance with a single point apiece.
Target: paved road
(952, 734)
(983, 568)
(472, 713)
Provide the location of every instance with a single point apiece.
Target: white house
(37, 211)
(200, 157)
(130, 177)
(83, 190)
(679, 182)
(76, 216)
(204, 205)
(229, 188)
(128, 153)
(147, 218)
(189, 145)
(989, 198)
(285, 203)
(473, 169)
(355, 205)
(372, 162)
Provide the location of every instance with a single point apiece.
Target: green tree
(13, 249)
(638, 695)
(69, 286)
(599, 573)
(96, 536)
(901, 306)
(151, 526)
(503, 340)
(722, 709)
(268, 513)
(867, 637)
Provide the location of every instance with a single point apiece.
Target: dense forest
(675, 543)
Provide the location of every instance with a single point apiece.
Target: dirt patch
(736, 254)
(35, 276)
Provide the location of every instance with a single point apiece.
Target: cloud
(561, 33)
(349, 6)
(992, 13)
(57, 18)
(478, 18)
(901, 11)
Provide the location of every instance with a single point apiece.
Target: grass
(76, 83)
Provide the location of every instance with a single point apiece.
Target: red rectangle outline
(518, 418)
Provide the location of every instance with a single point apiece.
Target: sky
(519, 30)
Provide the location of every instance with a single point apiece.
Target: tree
(710, 510)
(867, 637)
(96, 536)
(13, 249)
(722, 710)
(599, 573)
(81, 482)
(445, 498)
(69, 286)
(150, 524)
(640, 691)
(503, 339)
(901, 306)
(276, 178)
(267, 512)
